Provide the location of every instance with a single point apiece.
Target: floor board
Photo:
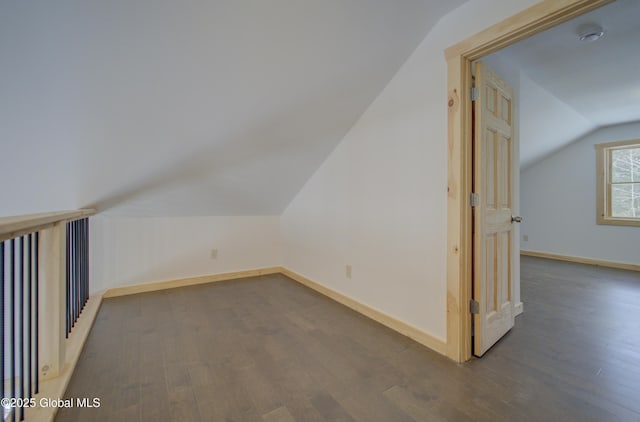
(269, 349)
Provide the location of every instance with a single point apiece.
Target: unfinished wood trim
(619, 144)
(518, 309)
(16, 226)
(601, 180)
(403, 328)
(459, 57)
(51, 285)
(459, 242)
(55, 388)
(524, 24)
(183, 282)
(616, 221)
(582, 260)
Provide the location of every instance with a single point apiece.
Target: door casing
(531, 21)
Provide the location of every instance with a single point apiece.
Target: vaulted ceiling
(225, 107)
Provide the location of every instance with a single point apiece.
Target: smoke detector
(590, 33)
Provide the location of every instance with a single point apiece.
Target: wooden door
(493, 226)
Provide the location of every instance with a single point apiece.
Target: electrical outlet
(525, 237)
(214, 254)
(348, 271)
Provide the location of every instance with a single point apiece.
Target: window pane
(625, 165)
(625, 200)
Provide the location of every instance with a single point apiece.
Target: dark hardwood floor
(270, 349)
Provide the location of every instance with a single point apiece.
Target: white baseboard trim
(581, 260)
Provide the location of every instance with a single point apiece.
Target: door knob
(517, 219)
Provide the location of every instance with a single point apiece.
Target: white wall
(548, 124)
(131, 250)
(378, 202)
(37, 116)
(36, 156)
(559, 203)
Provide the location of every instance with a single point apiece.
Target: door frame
(524, 24)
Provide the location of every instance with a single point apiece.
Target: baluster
(36, 365)
(21, 331)
(29, 319)
(2, 298)
(13, 323)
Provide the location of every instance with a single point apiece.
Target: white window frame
(603, 168)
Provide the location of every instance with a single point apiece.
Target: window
(619, 183)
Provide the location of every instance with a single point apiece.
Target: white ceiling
(600, 80)
(221, 107)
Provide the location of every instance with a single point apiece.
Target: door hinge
(474, 307)
(474, 199)
(474, 93)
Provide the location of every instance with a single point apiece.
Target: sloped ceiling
(225, 107)
(599, 81)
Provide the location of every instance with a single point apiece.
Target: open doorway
(574, 89)
(578, 87)
(459, 57)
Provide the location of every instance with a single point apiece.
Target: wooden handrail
(11, 227)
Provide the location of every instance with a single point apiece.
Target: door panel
(493, 228)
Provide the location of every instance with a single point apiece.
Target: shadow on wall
(258, 171)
